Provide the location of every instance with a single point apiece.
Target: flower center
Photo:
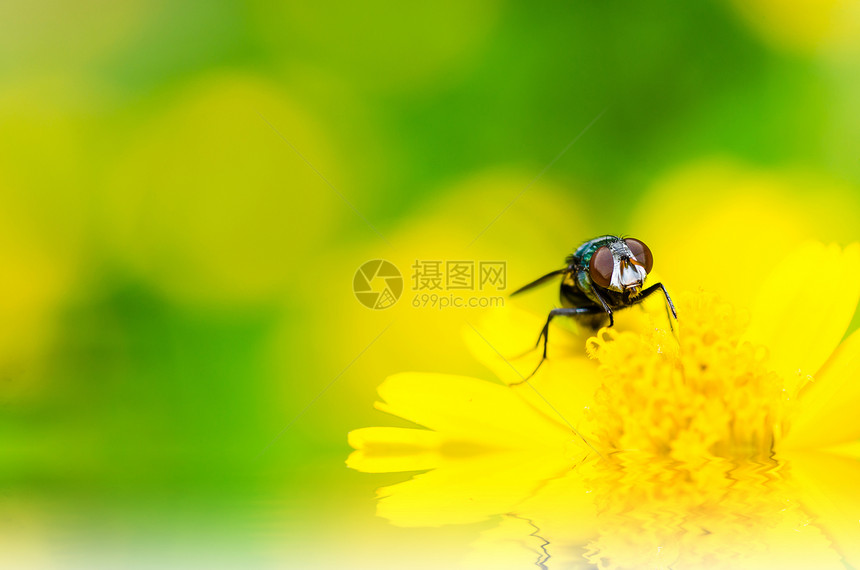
(702, 394)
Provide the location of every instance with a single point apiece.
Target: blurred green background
(187, 188)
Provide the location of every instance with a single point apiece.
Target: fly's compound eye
(641, 253)
(601, 266)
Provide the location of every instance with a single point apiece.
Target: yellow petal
(391, 449)
(827, 487)
(827, 408)
(490, 449)
(804, 307)
(471, 489)
(470, 409)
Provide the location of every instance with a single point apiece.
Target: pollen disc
(377, 284)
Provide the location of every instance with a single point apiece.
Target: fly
(602, 276)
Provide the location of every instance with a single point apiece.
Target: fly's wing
(539, 281)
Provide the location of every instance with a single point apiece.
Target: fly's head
(621, 265)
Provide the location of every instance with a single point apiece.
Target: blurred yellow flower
(210, 203)
(43, 236)
(806, 26)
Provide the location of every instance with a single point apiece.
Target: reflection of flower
(704, 434)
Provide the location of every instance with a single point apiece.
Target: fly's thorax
(583, 253)
(584, 283)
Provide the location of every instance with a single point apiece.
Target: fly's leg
(539, 281)
(669, 318)
(669, 304)
(544, 333)
(653, 288)
(605, 306)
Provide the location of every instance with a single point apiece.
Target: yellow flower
(703, 429)
(728, 442)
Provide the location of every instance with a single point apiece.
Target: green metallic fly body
(602, 276)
